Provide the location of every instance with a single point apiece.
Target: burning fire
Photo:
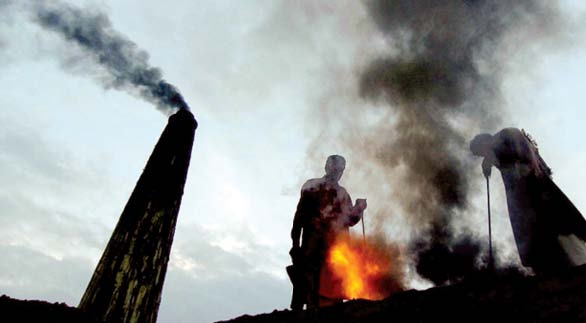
(360, 269)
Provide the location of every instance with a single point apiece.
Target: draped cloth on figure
(549, 230)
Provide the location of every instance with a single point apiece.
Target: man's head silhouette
(335, 166)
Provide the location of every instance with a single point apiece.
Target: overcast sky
(255, 74)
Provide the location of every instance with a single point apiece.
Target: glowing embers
(358, 269)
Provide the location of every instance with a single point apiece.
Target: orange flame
(359, 269)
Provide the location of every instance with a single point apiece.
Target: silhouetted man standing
(548, 229)
(324, 210)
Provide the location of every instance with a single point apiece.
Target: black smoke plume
(447, 261)
(126, 65)
(443, 72)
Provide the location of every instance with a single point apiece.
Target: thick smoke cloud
(424, 87)
(127, 66)
(443, 72)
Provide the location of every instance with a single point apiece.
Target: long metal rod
(490, 258)
(363, 234)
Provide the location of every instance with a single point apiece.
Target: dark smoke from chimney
(126, 65)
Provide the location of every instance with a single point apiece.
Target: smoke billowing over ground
(434, 85)
(122, 64)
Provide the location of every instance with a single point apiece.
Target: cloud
(217, 252)
(29, 274)
(191, 299)
(48, 195)
(220, 276)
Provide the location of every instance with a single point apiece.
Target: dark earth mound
(14, 310)
(483, 298)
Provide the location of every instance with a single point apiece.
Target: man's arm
(487, 166)
(298, 220)
(353, 212)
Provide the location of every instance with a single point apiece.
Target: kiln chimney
(128, 281)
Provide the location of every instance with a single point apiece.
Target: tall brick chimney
(128, 281)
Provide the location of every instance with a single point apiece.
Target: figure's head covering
(481, 144)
